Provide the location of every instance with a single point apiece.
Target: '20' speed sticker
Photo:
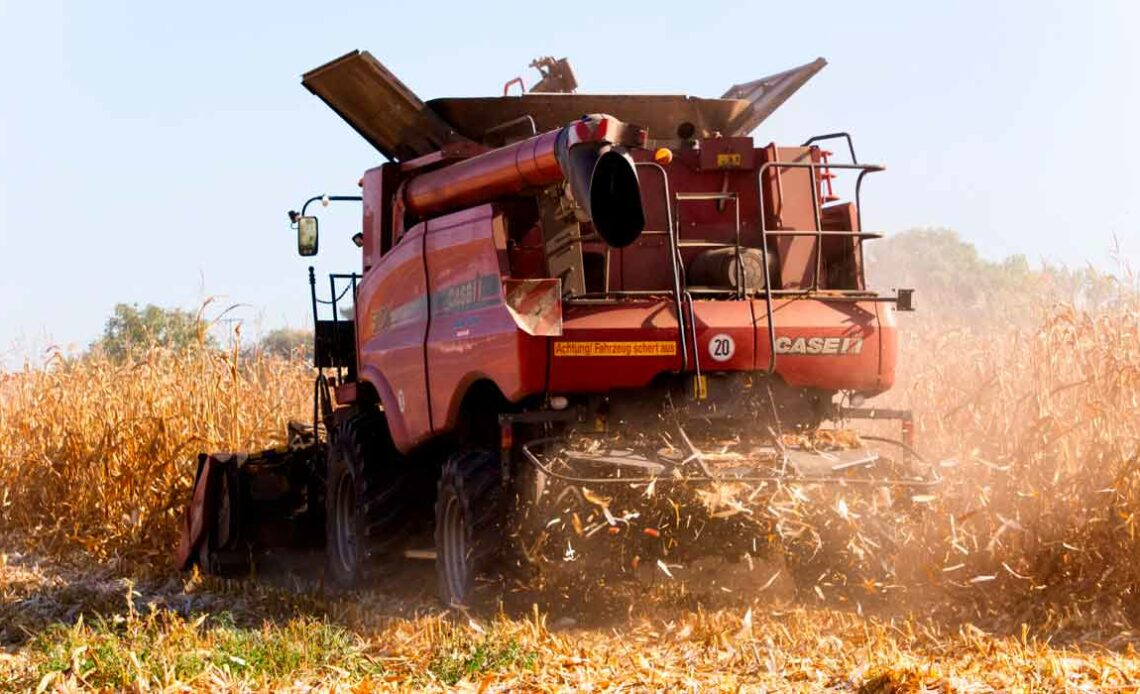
(722, 347)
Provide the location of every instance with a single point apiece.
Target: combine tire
(469, 512)
(366, 500)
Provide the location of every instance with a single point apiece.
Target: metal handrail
(742, 288)
(701, 243)
(742, 291)
(693, 330)
(674, 259)
(717, 197)
(845, 234)
(352, 284)
(706, 196)
(819, 233)
(681, 293)
(834, 136)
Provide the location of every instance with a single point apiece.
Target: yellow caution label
(662, 348)
(729, 160)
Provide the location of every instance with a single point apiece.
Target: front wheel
(366, 497)
(469, 515)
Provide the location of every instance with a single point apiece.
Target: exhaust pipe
(590, 155)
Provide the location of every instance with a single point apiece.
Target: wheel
(469, 513)
(365, 500)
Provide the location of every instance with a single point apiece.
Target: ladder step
(705, 244)
(695, 289)
(705, 196)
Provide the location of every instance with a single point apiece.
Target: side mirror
(905, 301)
(307, 236)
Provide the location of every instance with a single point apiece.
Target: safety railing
(682, 294)
(334, 338)
(819, 233)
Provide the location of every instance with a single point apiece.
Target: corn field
(1026, 557)
(99, 456)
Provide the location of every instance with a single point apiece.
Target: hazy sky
(149, 151)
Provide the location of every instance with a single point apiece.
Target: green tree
(953, 281)
(131, 329)
(288, 343)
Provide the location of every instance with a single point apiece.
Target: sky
(149, 151)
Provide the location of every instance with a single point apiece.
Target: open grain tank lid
(395, 121)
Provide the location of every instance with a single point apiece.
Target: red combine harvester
(547, 295)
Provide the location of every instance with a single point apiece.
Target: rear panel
(830, 345)
(827, 345)
(605, 347)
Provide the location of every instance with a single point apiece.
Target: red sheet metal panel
(473, 335)
(727, 154)
(609, 347)
(788, 206)
(392, 320)
(832, 345)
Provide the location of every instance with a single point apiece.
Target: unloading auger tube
(590, 155)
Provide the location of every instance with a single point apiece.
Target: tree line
(131, 330)
(951, 278)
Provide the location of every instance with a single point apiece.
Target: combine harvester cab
(548, 296)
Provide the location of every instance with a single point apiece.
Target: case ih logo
(819, 345)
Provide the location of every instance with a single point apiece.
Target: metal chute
(603, 182)
(766, 94)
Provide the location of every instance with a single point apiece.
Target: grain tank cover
(378, 106)
(661, 114)
(736, 114)
(394, 120)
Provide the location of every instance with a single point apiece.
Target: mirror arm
(297, 221)
(330, 198)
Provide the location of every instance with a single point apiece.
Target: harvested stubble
(339, 643)
(1036, 431)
